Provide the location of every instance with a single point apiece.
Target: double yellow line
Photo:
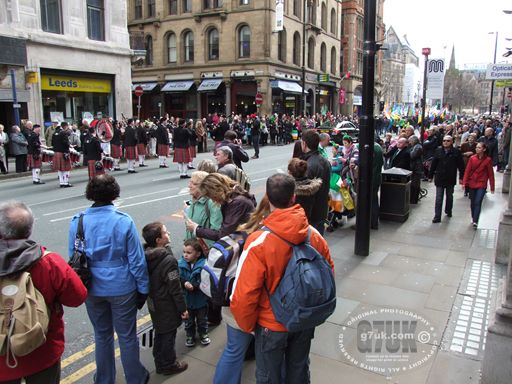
(89, 368)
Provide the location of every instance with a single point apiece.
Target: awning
(209, 85)
(287, 86)
(146, 87)
(177, 86)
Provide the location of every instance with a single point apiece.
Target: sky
(441, 24)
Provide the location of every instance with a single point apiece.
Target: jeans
(476, 196)
(440, 191)
(274, 348)
(231, 362)
(50, 375)
(117, 313)
(164, 352)
(256, 144)
(201, 317)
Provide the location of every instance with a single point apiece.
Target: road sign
(425, 51)
(139, 91)
(259, 98)
(499, 72)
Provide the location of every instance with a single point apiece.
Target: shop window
(187, 6)
(189, 46)
(149, 50)
(151, 8)
(324, 17)
(212, 4)
(173, 7)
(281, 46)
(95, 20)
(138, 9)
(323, 58)
(296, 48)
(333, 61)
(213, 45)
(311, 53)
(333, 21)
(51, 16)
(171, 48)
(244, 37)
(297, 7)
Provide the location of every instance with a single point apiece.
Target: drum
(74, 156)
(108, 163)
(47, 155)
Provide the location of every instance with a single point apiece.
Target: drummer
(61, 160)
(34, 158)
(92, 154)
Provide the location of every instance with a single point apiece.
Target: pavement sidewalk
(443, 272)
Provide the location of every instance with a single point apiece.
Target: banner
(435, 79)
(279, 16)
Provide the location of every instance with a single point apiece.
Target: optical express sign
(75, 84)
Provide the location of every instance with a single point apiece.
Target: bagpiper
(61, 160)
(34, 158)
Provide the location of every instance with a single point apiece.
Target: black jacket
(319, 167)
(142, 136)
(304, 194)
(34, 144)
(130, 137)
(492, 148)
(166, 301)
(162, 134)
(116, 139)
(401, 159)
(60, 141)
(92, 148)
(181, 137)
(445, 165)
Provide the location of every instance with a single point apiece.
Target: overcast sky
(440, 24)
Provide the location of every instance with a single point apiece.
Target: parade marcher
(192, 144)
(162, 142)
(52, 277)
(416, 166)
(92, 154)
(181, 138)
(130, 145)
(120, 281)
(115, 145)
(478, 174)
(235, 144)
(447, 160)
(18, 148)
(142, 143)
(34, 157)
(255, 137)
(61, 159)
(84, 132)
(4, 141)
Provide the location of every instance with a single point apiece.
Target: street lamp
(494, 62)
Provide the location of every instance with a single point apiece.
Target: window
(211, 4)
(360, 63)
(297, 7)
(244, 2)
(173, 7)
(189, 46)
(151, 8)
(311, 53)
(138, 9)
(171, 48)
(95, 20)
(324, 17)
(333, 21)
(244, 37)
(51, 16)
(360, 32)
(323, 57)
(296, 48)
(213, 45)
(281, 46)
(149, 50)
(187, 6)
(333, 61)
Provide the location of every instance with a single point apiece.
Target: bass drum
(104, 131)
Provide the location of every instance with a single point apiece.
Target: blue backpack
(306, 294)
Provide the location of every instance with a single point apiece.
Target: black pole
(492, 82)
(366, 133)
(15, 105)
(424, 99)
(304, 58)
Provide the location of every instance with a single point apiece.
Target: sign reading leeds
(499, 72)
(75, 84)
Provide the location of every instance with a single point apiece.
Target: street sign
(139, 91)
(499, 72)
(259, 98)
(425, 51)
(16, 105)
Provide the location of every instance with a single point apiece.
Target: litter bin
(395, 193)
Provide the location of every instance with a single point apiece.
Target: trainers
(475, 225)
(177, 367)
(190, 342)
(205, 339)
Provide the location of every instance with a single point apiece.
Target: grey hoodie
(18, 255)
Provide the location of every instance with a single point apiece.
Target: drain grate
(487, 238)
(145, 336)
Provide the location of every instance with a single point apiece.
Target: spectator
(305, 188)
(225, 165)
(491, 143)
(416, 166)
(18, 148)
(4, 140)
(239, 154)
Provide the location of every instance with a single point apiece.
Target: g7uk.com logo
(388, 341)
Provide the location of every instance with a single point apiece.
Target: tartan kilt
(192, 150)
(181, 155)
(162, 149)
(61, 164)
(141, 149)
(91, 168)
(31, 163)
(130, 153)
(115, 151)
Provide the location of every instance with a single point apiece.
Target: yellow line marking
(85, 370)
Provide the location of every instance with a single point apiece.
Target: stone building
(71, 58)
(216, 56)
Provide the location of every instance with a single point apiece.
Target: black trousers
(164, 351)
(21, 163)
(50, 375)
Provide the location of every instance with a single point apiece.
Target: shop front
(325, 99)
(213, 96)
(243, 96)
(73, 96)
(286, 97)
(180, 98)
(150, 101)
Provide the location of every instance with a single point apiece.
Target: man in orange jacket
(261, 267)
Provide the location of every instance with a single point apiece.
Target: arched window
(324, 17)
(171, 48)
(281, 46)
(213, 44)
(297, 8)
(149, 50)
(244, 38)
(323, 57)
(188, 46)
(296, 48)
(333, 21)
(311, 53)
(333, 60)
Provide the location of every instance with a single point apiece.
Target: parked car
(342, 129)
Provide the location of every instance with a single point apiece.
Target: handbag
(78, 261)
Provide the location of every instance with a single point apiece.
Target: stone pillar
(198, 101)
(506, 175)
(504, 234)
(228, 97)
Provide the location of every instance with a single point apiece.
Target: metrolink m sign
(499, 72)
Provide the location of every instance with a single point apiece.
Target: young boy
(166, 302)
(190, 266)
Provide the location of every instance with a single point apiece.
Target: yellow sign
(503, 83)
(75, 84)
(31, 77)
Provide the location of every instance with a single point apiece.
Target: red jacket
(264, 261)
(59, 285)
(479, 172)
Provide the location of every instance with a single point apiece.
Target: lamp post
(425, 52)
(304, 10)
(494, 62)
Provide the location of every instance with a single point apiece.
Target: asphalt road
(152, 194)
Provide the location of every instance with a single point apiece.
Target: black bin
(395, 193)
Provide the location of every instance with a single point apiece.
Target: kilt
(181, 155)
(141, 149)
(115, 151)
(130, 153)
(192, 150)
(31, 163)
(162, 149)
(91, 167)
(61, 164)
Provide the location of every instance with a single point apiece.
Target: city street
(443, 273)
